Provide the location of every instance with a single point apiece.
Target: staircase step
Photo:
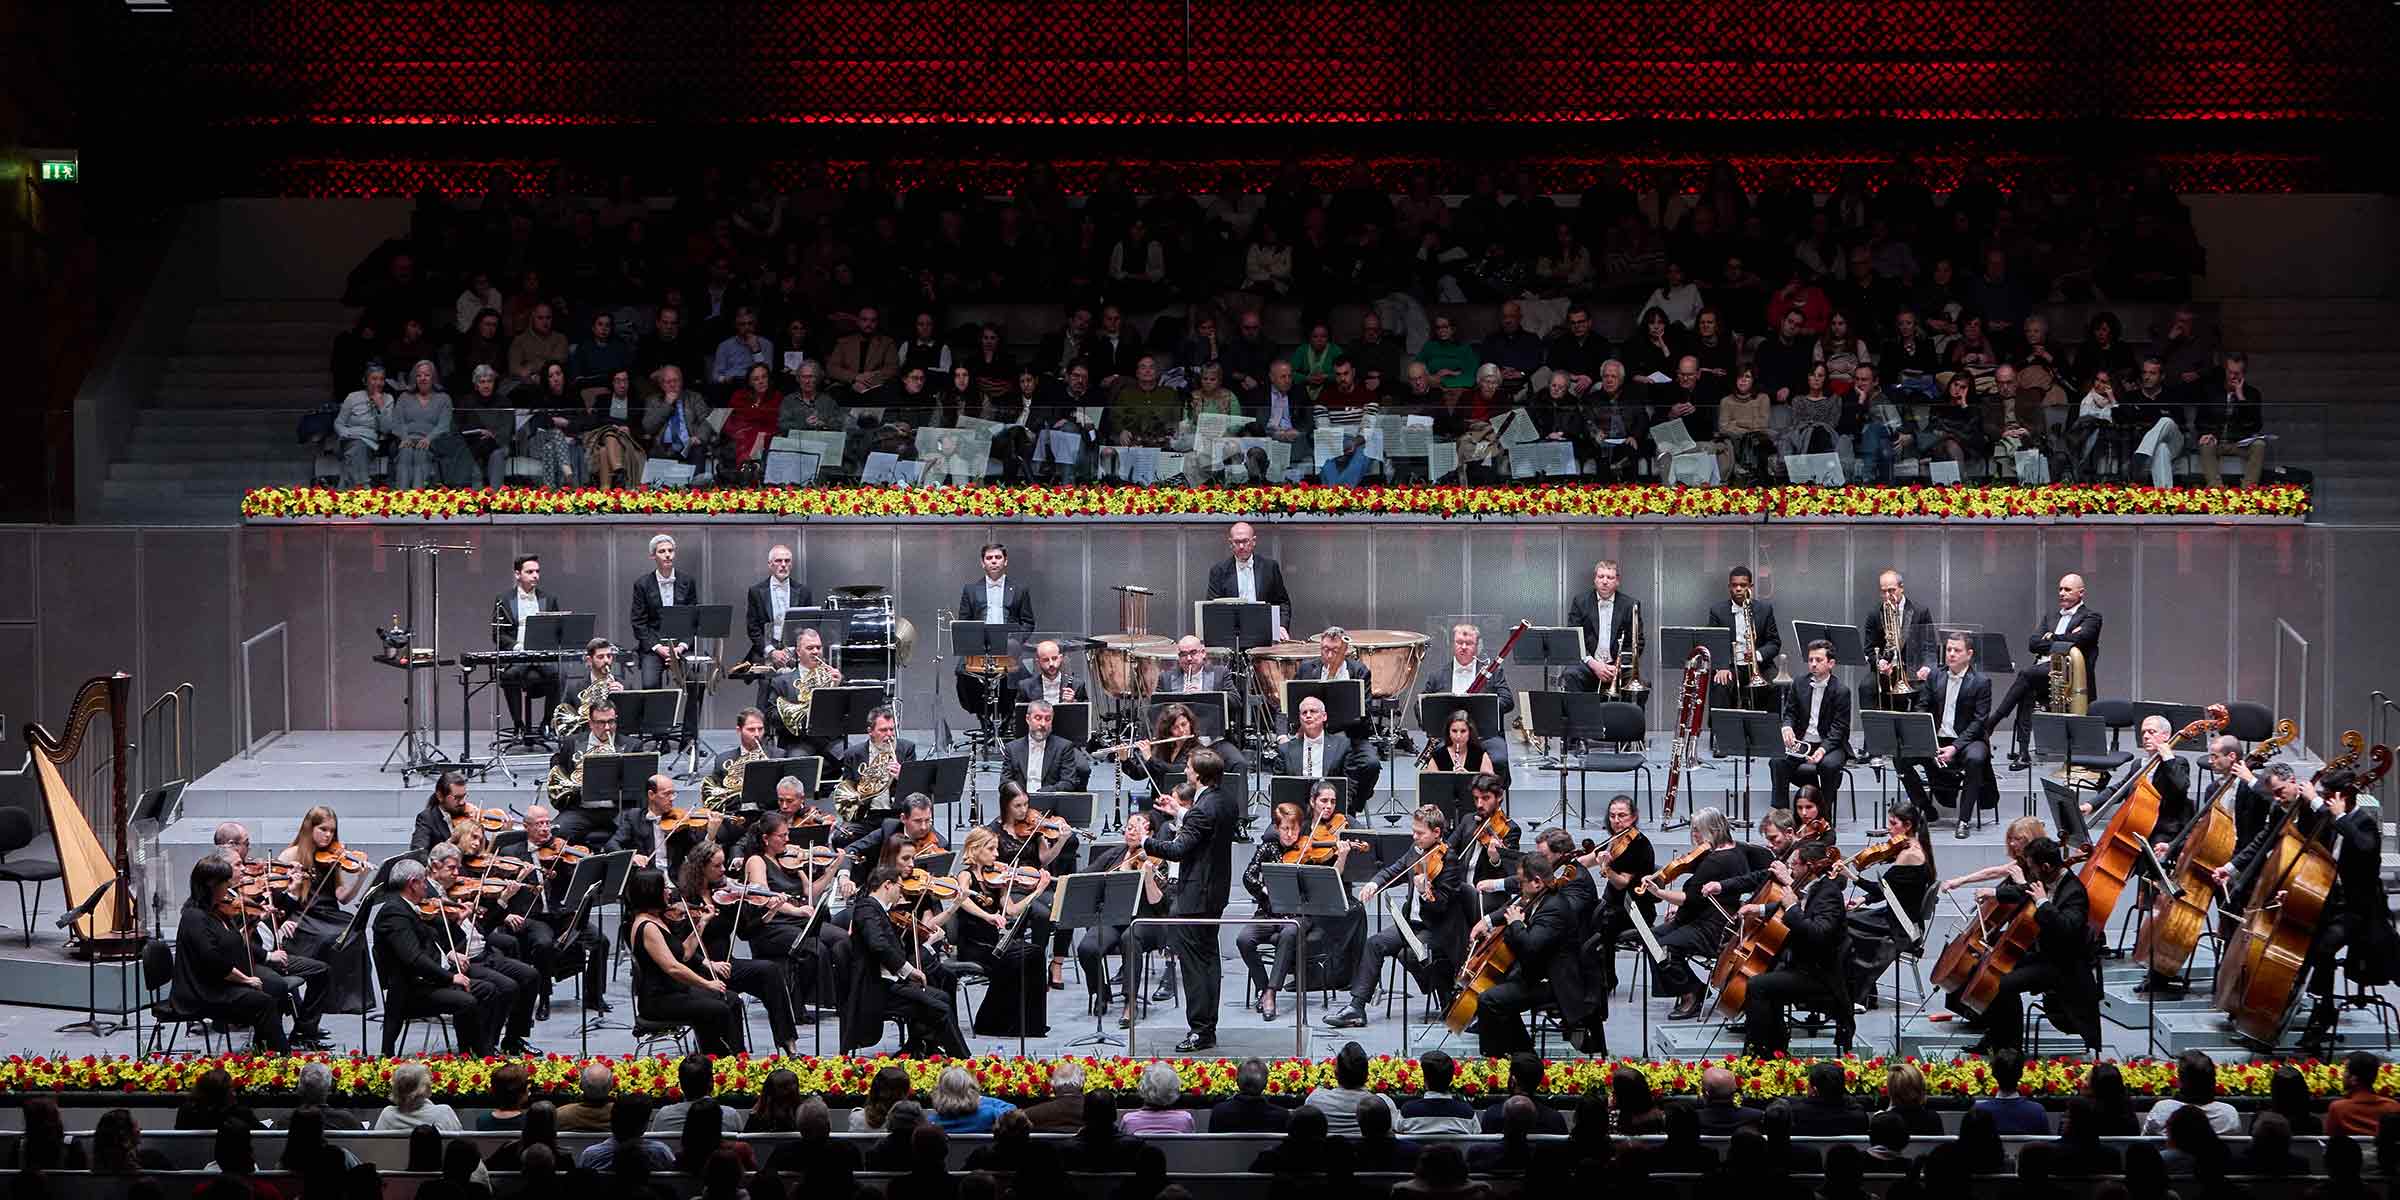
(254, 398)
(312, 380)
(222, 500)
(205, 360)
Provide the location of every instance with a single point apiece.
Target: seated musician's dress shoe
(1686, 1008)
(541, 1010)
(1195, 1043)
(598, 1004)
(1348, 1018)
(2018, 760)
(1165, 990)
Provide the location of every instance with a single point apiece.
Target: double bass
(2179, 913)
(2258, 980)
(2117, 857)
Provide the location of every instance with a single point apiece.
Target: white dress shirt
(1951, 683)
(1312, 757)
(527, 604)
(1245, 578)
(1033, 762)
(1051, 685)
(1816, 703)
(666, 591)
(1462, 679)
(1607, 611)
(995, 601)
(2065, 619)
(779, 601)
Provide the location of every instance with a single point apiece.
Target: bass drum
(878, 642)
(1115, 668)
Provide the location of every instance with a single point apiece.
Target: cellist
(2354, 914)
(2060, 964)
(1534, 932)
(1809, 969)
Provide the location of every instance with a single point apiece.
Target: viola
(347, 859)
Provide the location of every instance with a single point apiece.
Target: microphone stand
(91, 1022)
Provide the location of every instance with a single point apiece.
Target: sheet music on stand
(790, 467)
(1345, 700)
(1529, 459)
(952, 456)
(1063, 447)
(1672, 438)
(1515, 428)
(884, 467)
(1209, 711)
(827, 444)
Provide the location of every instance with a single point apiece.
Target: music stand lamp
(1752, 735)
(978, 639)
(1100, 899)
(693, 625)
(1304, 890)
(1241, 626)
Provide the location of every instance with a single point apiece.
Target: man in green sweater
(1145, 411)
(1452, 363)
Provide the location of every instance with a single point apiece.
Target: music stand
(1849, 643)
(1078, 808)
(943, 777)
(1211, 711)
(832, 626)
(1568, 717)
(1450, 791)
(980, 639)
(1302, 890)
(837, 714)
(1675, 644)
(689, 625)
(1071, 720)
(622, 780)
(1752, 735)
(655, 714)
(1240, 626)
(597, 880)
(1901, 737)
(1345, 700)
(2063, 738)
(1299, 789)
(1992, 654)
(1483, 708)
(1549, 646)
(560, 633)
(1101, 898)
(760, 776)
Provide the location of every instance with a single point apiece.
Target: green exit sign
(61, 170)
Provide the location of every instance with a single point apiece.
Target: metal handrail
(179, 720)
(250, 739)
(2283, 629)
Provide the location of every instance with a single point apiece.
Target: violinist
(216, 969)
(1286, 841)
(273, 908)
(890, 981)
(503, 902)
(1029, 838)
(516, 985)
(1809, 967)
(1425, 886)
(1003, 919)
(768, 981)
(1698, 926)
(1876, 937)
(1316, 752)
(665, 987)
(425, 969)
(777, 935)
(1624, 860)
(1128, 944)
(2060, 966)
(658, 833)
(548, 942)
(2355, 915)
(1535, 928)
(1486, 845)
(912, 827)
(1042, 760)
(448, 803)
(320, 889)
(1331, 845)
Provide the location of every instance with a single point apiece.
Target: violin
(1325, 840)
(513, 866)
(931, 843)
(730, 894)
(435, 909)
(1876, 855)
(1009, 879)
(342, 856)
(920, 883)
(1492, 833)
(560, 850)
(494, 820)
(805, 858)
(810, 815)
(676, 820)
(1049, 827)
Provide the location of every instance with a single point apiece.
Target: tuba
(793, 714)
(875, 779)
(1894, 618)
(566, 719)
(2070, 692)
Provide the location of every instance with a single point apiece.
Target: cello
(2180, 913)
(2124, 846)
(2007, 949)
(1488, 962)
(1761, 938)
(2258, 982)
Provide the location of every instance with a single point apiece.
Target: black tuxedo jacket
(761, 616)
(1584, 614)
(2173, 780)
(1203, 842)
(2084, 634)
(632, 832)
(856, 756)
(1819, 936)
(1496, 683)
(1974, 719)
(504, 609)
(1770, 637)
(646, 606)
(1027, 686)
(1268, 578)
(1338, 754)
(1065, 768)
(433, 825)
(406, 949)
(1209, 678)
(1015, 601)
(1916, 637)
(1315, 668)
(1833, 717)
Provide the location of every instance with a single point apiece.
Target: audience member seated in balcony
(1655, 346)
(1574, 350)
(1954, 430)
(416, 421)
(1348, 401)
(1375, 350)
(1115, 348)
(734, 356)
(1745, 432)
(1677, 296)
(484, 345)
(1998, 295)
(667, 344)
(354, 350)
(1938, 299)
(1973, 348)
(540, 343)
(1066, 345)
(599, 354)
(1841, 350)
(2103, 349)
(1564, 268)
(1615, 432)
(757, 411)
(1513, 348)
(1245, 356)
(1784, 357)
(1815, 416)
(1313, 360)
(675, 423)
(1691, 399)
(1799, 295)
(1867, 296)
(2189, 350)
(1452, 363)
(925, 348)
(1209, 393)
(2095, 428)
(808, 405)
(360, 426)
(1201, 346)
(1874, 417)
(411, 345)
(2231, 421)
(1145, 411)
(1909, 361)
(1137, 269)
(476, 296)
(863, 361)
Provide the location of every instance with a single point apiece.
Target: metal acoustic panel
(85, 588)
(2285, 573)
(2104, 556)
(2363, 656)
(1805, 572)
(1693, 560)
(1326, 567)
(1513, 575)
(2181, 631)
(1995, 581)
(186, 618)
(937, 562)
(1635, 549)
(1162, 558)
(283, 579)
(17, 562)
(367, 574)
(1421, 571)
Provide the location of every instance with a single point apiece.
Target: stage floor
(270, 791)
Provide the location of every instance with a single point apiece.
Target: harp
(112, 929)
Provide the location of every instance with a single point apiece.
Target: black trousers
(1100, 941)
(1289, 942)
(716, 1019)
(1500, 1016)
(930, 1013)
(2004, 1018)
(517, 986)
(1197, 951)
(1969, 777)
(773, 986)
(257, 1008)
(1764, 1029)
(1385, 944)
(585, 950)
(468, 1008)
(2339, 929)
(1825, 773)
(301, 983)
(2031, 685)
(1675, 977)
(532, 681)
